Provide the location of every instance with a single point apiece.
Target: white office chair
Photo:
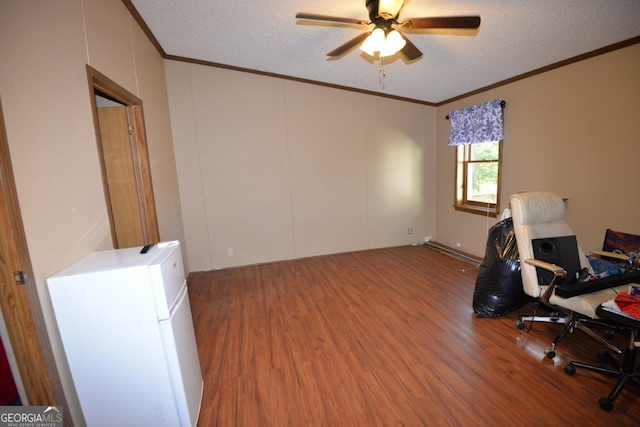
(540, 215)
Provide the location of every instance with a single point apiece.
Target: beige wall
(45, 46)
(573, 131)
(275, 169)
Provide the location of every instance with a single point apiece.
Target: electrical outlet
(229, 251)
(458, 245)
(410, 231)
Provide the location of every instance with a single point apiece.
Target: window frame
(461, 203)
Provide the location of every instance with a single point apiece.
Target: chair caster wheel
(570, 369)
(605, 403)
(519, 325)
(550, 354)
(608, 334)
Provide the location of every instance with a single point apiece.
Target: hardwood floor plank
(380, 338)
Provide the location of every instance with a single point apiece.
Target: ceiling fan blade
(410, 51)
(348, 45)
(315, 17)
(470, 22)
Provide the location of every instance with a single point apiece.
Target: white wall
(276, 169)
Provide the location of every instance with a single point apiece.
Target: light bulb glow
(387, 45)
(393, 43)
(373, 42)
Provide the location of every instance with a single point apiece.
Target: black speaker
(561, 251)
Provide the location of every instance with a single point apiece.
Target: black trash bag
(499, 283)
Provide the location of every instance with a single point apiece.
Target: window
(478, 177)
(477, 133)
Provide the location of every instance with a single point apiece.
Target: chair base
(625, 374)
(571, 322)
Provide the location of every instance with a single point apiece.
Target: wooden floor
(382, 337)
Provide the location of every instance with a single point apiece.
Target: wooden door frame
(102, 85)
(20, 304)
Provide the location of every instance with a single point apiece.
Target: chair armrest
(556, 270)
(598, 254)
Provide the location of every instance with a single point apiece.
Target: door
(19, 299)
(126, 173)
(119, 168)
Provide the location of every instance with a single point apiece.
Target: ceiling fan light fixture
(393, 44)
(387, 45)
(374, 42)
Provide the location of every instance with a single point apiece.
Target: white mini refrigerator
(125, 322)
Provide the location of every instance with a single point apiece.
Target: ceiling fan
(385, 38)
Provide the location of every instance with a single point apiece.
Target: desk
(626, 373)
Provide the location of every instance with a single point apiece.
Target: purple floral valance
(480, 123)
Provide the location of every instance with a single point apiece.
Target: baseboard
(456, 253)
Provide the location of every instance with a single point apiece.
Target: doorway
(122, 146)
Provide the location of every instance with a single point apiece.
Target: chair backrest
(537, 215)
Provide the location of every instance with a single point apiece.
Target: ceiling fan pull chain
(381, 74)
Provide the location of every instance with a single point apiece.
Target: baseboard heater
(452, 252)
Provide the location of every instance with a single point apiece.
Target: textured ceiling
(514, 38)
